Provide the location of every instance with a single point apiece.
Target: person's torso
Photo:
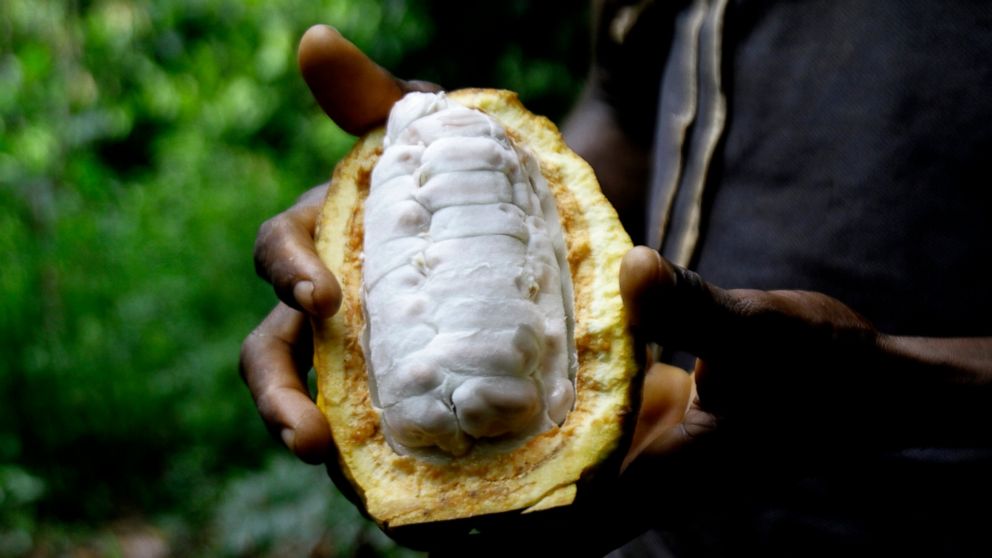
(844, 152)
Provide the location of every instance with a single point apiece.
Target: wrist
(939, 389)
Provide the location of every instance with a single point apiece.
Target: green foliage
(141, 145)
(280, 503)
(19, 491)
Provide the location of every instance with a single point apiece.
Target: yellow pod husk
(545, 472)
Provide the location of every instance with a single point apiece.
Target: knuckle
(689, 280)
(274, 406)
(246, 358)
(271, 254)
(756, 304)
(312, 197)
(265, 230)
(273, 231)
(749, 306)
(267, 401)
(262, 242)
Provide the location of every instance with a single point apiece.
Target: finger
(353, 90)
(273, 364)
(675, 307)
(641, 272)
(286, 257)
(665, 399)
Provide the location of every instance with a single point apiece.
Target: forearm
(941, 387)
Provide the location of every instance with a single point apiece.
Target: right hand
(275, 358)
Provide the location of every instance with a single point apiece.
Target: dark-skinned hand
(357, 94)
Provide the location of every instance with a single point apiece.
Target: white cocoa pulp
(466, 287)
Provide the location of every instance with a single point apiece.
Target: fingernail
(288, 436)
(303, 293)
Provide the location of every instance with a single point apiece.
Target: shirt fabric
(839, 146)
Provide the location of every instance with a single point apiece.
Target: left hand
(766, 358)
(779, 366)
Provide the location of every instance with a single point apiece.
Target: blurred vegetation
(141, 145)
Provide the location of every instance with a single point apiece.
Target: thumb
(675, 307)
(353, 90)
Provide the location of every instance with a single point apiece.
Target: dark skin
(772, 366)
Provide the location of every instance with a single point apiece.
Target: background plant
(141, 145)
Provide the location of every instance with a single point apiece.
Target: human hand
(275, 358)
(780, 365)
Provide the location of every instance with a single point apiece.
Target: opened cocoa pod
(480, 362)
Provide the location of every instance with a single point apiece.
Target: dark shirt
(852, 159)
(857, 159)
